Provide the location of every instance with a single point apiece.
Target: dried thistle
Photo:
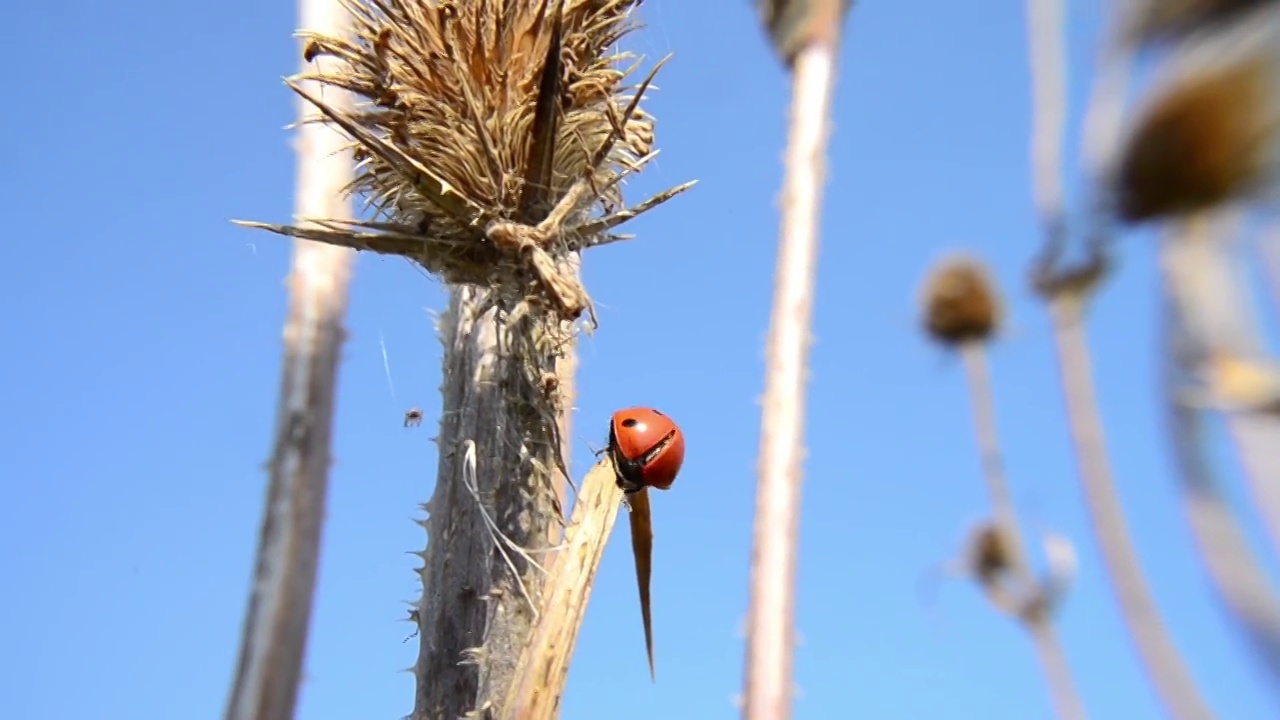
(960, 302)
(989, 555)
(1208, 139)
(492, 137)
(1151, 21)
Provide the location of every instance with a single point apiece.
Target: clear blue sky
(144, 336)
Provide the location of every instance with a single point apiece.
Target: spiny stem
(771, 631)
(274, 638)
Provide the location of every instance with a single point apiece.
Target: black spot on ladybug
(629, 422)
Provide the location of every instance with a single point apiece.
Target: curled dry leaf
(960, 303)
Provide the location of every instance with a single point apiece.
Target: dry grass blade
(775, 538)
(544, 663)
(274, 637)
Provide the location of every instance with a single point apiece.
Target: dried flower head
(1149, 21)
(491, 138)
(989, 555)
(1208, 139)
(960, 303)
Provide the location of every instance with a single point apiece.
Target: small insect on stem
(647, 449)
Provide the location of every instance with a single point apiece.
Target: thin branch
(1066, 290)
(274, 638)
(1066, 699)
(775, 540)
(982, 397)
(544, 663)
(1057, 671)
(1164, 665)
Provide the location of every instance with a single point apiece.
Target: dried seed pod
(990, 554)
(960, 303)
(1209, 137)
(1153, 21)
(506, 127)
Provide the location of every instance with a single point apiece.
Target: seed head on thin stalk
(962, 311)
(960, 303)
(1210, 135)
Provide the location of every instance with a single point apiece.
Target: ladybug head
(647, 448)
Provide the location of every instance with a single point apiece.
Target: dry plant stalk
(274, 639)
(493, 141)
(1206, 315)
(1164, 665)
(962, 312)
(544, 663)
(811, 55)
(1066, 290)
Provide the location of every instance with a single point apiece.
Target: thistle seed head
(1156, 21)
(960, 303)
(491, 137)
(1208, 138)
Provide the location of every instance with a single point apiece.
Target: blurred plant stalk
(962, 312)
(274, 637)
(1066, 290)
(1032, 602)
(1208, 315)
(806, 36)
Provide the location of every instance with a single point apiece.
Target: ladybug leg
(623, 471)
(627, 492)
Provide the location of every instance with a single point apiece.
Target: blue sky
(145, 331)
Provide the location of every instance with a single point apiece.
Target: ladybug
(647, 449)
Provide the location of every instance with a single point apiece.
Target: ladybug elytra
(647, 449)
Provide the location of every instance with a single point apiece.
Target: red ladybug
(647, 449)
